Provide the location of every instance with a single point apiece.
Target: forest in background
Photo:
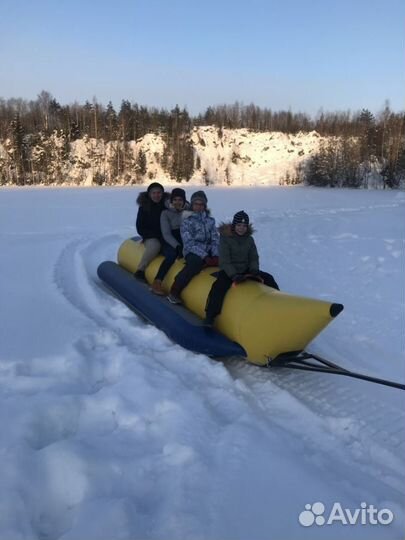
(37, 136)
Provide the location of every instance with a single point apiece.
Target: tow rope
(301, 360)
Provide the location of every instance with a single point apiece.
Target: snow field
(112, 431)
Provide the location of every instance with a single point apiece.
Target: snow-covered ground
(110, 431)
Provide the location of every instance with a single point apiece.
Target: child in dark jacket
(238, 261)
(151, 204)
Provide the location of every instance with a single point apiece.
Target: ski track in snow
(341, 418)
(339, 414)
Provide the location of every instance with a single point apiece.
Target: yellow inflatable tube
(265, 322)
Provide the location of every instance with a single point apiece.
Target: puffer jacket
(148, 218)
(170, 222)
(199, 234)
(237, 254)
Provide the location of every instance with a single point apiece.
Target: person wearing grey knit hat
(199, 197)
(200, 244)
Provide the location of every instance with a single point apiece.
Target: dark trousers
(194, 265)
(220, 287)
(169, 254)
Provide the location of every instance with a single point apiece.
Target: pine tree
(86, 119)
(367, 134)
(228, 176)
(18, 149)
(178, 154)
(140, 165)
(126, 120)
(74, 132)
(350, 162)
(165, 157)
(111, 123)
(318, 168)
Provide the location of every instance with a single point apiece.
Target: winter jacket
(148, 218)
(199, 234)
(170, 222)
(237, 254)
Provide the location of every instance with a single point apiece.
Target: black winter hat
(240, 217)
(155, 185)
(199, 196)
(178, 192)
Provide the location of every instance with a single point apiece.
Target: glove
(179, 251)
(211, 261)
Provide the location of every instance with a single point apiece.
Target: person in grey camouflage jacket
(200, 243)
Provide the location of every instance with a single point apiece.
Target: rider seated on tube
(238, 261)
(200, 244)
(172, 244)
(151, 203)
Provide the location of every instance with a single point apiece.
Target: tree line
(372, 148)
(38, 134)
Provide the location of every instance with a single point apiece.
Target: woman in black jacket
(151, 204)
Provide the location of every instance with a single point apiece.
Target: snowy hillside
(241, 157)
(111, 431)
(223, 157)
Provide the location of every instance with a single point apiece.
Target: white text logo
(365, 515)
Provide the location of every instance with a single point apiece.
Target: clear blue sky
(298, 54)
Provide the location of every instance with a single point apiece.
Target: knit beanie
(155, 185)
(178, 192)
(199, 196)
(240, 217)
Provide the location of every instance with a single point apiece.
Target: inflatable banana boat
(257, 322)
